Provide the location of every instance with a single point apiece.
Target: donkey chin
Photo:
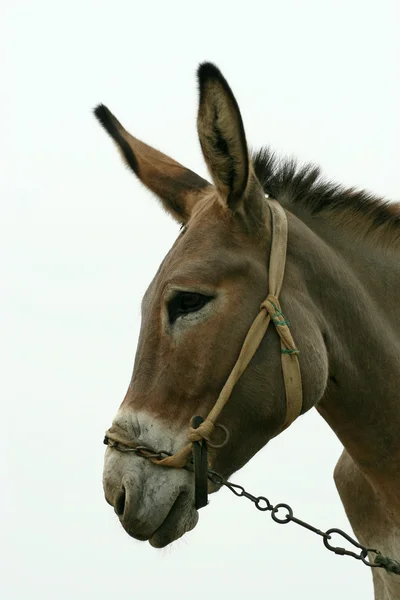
(152, 503)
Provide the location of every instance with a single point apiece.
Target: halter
(270, 310)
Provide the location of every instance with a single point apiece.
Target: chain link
(143, 451)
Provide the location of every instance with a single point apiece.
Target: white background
(81, 239)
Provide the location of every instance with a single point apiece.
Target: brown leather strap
(289, 352)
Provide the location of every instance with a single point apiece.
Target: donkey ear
(223, 139)
(178, 188)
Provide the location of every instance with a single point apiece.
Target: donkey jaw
(152, 503)
(181, 518)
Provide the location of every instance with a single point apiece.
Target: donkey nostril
(119, 506)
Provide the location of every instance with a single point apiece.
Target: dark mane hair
(304, 185)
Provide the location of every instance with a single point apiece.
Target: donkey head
(195, 316)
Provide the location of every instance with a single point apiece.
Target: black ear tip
(208, 71)
(102, 113)
(107, 119)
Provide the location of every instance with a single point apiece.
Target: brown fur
(177, 187)
(340, 294)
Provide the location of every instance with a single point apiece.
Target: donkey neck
(354, 287)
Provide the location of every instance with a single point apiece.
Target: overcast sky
(81, 239)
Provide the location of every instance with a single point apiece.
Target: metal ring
(225, 441)
(283, 520)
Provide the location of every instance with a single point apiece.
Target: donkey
(340, 292)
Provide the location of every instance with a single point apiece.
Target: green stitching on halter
(276, 322)
(391, 566)
(279, 313)
(285, 351)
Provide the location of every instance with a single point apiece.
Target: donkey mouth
(181, 518)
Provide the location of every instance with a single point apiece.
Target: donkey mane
(302, 184)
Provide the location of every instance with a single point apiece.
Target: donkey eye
(184, 303)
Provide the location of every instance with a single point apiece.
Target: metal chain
(263, 504)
